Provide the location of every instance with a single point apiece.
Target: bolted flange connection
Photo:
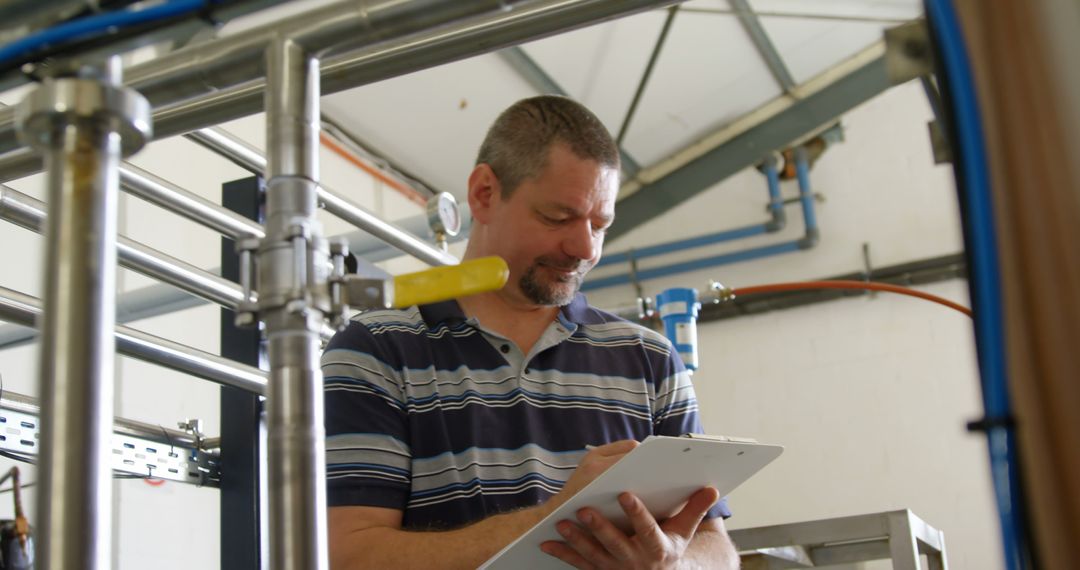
(60, 102)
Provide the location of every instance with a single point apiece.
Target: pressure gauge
(444, 216)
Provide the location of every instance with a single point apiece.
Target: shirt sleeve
(368, 460)
(675, 409)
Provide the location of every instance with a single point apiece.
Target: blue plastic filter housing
(678, 309)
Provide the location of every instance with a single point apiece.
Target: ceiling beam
(647, 73)
(742, 144)
(541, 81)
(764, 45)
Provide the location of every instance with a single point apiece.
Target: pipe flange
(60, 102)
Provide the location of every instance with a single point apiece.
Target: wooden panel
(1036, 178)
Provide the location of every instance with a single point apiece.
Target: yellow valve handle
(450, 282)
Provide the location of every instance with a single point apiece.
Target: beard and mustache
(559, 291)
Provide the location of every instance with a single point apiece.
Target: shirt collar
(571, 315)
(577, 312)
(444, 311)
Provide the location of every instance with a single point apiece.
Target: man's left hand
(597, 543)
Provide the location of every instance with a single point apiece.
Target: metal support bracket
(908, 52)
(166, 456)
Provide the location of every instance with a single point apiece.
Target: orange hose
(850, 285)
(377, 174)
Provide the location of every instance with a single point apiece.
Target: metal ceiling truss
(653, 57)
(803, 109)
(538, 77)
(740, 145)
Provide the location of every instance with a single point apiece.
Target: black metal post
(241, 412)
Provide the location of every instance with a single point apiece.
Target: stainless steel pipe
(30, 214)
(394, 54)
(156, 300)
(230, 147)
(383, 230)
(24, 310)
(155, 190)
(230, 61)
(83, 126)
(293, 303)
(251, 159)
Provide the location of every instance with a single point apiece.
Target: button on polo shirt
(558, 331)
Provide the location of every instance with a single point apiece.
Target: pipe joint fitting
(60, 102)
(778, 221)
(811, 239)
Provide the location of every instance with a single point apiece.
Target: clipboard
(663, 472)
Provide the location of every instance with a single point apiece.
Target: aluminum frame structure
(899, 536)
(192, 88)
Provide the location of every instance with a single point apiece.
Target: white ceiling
(708, 75)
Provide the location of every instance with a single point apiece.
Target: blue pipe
(777, 223)
(806, 197)
(692, 265)
(808, 241)
(973, 185)
(776, 201)
(669, 247)
(98, 24)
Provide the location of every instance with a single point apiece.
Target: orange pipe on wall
(408, 192)
(842, 284)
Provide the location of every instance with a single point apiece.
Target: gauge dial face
(444, 216)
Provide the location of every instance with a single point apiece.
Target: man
(455, 427)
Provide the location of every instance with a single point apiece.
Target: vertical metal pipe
(77, 350)
(776, 200)
(806, 195)
(76, 122)
(294, 312)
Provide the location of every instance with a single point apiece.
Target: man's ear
(484, 192)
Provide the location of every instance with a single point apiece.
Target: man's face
(551, 229)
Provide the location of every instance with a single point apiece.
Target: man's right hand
(595, 462)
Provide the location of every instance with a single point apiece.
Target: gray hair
(518, 144)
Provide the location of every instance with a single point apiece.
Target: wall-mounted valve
(347, 292)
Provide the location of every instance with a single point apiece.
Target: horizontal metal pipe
(230, 147)
(28, 405)
(180, 31)
(23, 309)
(395, 56)
(233, 60)
(253, 160)
(155, 190)
(383, 230)
(29, 213)
(156, 300)
(341, 26)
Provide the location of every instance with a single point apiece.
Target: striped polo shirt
(430, 413)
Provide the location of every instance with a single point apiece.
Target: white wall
(870, 398)
(868, 395)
